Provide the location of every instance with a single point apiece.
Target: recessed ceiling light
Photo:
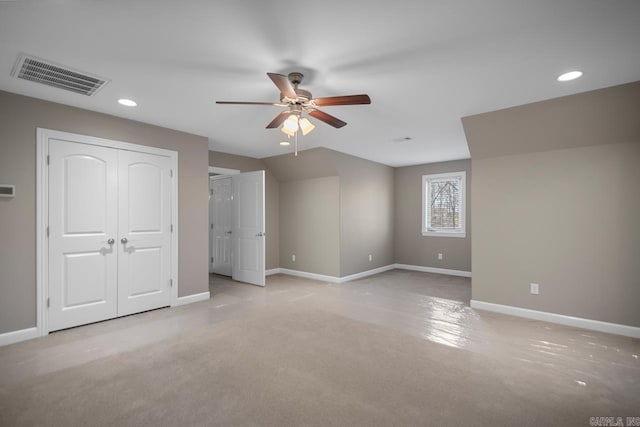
(285, 143)
(127, 102)
(571, 75)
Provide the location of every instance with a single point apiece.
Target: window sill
(443, 234)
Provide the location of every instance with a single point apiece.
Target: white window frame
(463, 205)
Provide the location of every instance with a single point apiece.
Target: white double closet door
(109, 233)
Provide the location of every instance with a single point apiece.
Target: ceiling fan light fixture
(306, 126)
(291, 124)
(287, 131)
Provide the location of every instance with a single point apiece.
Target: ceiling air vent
(48, 73)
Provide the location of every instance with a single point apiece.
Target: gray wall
(271, 189)
(568, 220)
(411, 247)
(233, 161)
(366, 213)
(566, 216)
(19, 118)
(310, 225)
(313, 163)
(309, 209)
(371, 195)
(603, 116)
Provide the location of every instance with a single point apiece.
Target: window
(443, 204)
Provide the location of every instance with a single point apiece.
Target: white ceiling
(425, 64)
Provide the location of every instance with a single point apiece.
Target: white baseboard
(355, 276)
(367, 273)
(190, 299)
(433, 270)
(18, 336)
(306, 275)
(577, 322)
(332, 279)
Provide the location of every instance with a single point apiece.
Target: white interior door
(144, 238)
(248, 227)
(220, 225)
(83, 204)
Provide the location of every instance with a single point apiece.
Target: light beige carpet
(303, 367)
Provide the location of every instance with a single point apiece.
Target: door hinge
(171, 173)
(171, 283)
(212, 226)
(48, 302)
(211, 192)
(172, 228)
(47, 231)
(48, 160)
(211, 259)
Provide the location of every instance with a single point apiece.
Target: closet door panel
(82, 220)
(144, 221)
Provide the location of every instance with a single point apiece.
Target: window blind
(444, 203)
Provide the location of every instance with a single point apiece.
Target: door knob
(123, 240)
(228, 232)
(111, 241)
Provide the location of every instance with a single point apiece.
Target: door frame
(42, 213)
(223, 171)
(231, 173)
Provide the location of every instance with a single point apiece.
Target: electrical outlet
(293, 257)
(370, 257)
(439, 256)
(535, 288)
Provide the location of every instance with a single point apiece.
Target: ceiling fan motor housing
(303, 96)
(295, 78)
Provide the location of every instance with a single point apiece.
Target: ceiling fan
(299, 101)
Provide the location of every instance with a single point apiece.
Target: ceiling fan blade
(343, 100)
(327, 118)
(278, 120)
(246, 103)
(283, 83)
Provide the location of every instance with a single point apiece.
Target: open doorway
(220, 249)
(237, 224)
